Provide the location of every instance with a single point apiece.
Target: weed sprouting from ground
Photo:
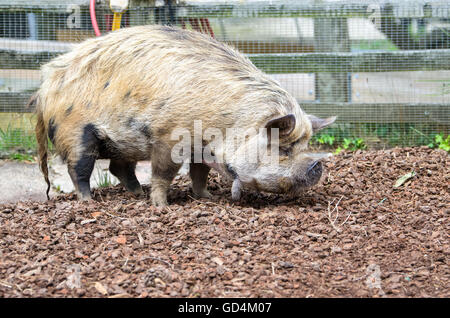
(19, 144)
(104, 179)
(379, 136)
(441, 142)
(22, 157)
(17, 138)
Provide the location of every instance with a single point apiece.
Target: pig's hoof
(84, 197)
(158, 200)
(203, 194)
(161, 203)
(138, 192)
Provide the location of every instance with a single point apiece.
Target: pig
(120, 96)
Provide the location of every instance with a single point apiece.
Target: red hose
(94, 18)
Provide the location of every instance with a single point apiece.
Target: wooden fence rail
(413, 60)
(346, 112)
(285, 9)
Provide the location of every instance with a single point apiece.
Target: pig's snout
(314, 171)
(309, 176)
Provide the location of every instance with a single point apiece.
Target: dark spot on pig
(61, 82)
(144, 101)
(146, 131)
(64, 155)
(69, 110)
(127, 95)
(106, 85)
(107, 149)
(132, 123)
(89, 139)
(52, 127)
(231, 171)
(94, 144)
(160, 105)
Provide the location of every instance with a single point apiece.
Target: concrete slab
(21, 181)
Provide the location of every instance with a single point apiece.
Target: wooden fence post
(331, 35)
(139, 16)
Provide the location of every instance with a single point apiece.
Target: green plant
(104, 179)
(441, 142)
(21, 157)
(16, 138)
(324, 139)
(354, 144)
(351, 144)
(386, 45)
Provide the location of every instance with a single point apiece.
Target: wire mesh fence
(383, 67)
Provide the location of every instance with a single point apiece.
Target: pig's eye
(285, 151)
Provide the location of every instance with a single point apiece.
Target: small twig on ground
(204, 202)
(5, 284)
(141, 239)
(336, 211)
(316, 235)
(163, 261)
(88, 221)
(122, 207)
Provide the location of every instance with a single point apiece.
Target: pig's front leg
(163, 172)
(199, 176)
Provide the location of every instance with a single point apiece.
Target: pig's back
(156, 77)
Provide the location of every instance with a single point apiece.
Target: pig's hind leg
(81, 161)
(125, 172)
(199, 176)
(80, 173)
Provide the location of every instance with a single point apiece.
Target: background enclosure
(383, 67)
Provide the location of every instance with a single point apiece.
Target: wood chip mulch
(352, 235)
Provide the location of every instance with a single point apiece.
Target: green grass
(21, 157)
(324, 139)
(104, 179)
(441, 142)
(17, 144)
(378, 136)
(17, 138)
(364, 45)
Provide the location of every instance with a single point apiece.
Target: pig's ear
(320, 123)
(285, 125)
